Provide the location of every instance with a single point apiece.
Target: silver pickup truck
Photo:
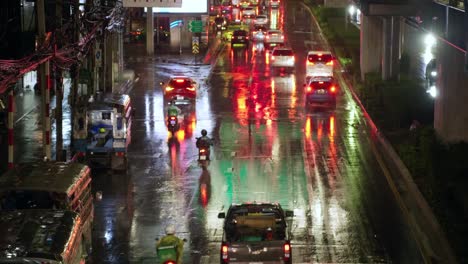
(256, 233)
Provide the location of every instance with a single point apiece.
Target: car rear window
(320, 58)
(321, 85)
(282, 52)
(240, 33)
(261, 17)
(273, 33)
(180, 83)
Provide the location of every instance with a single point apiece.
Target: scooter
(172, 124)
(203, 154)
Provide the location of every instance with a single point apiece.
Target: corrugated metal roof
(43, 176)
(35, 233)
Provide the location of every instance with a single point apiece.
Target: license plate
(321, 91)
(273, 44)
(241, 37)
(172, 122)
(202, 157)
(180, 97)
(255, 262)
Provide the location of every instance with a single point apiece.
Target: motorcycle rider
(204, 142)
(171, 240)
(173, 110)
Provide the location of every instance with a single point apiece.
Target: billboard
(188, 6)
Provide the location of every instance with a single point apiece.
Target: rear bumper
(321, 99)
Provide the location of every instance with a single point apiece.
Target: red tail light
(179, 80)
(330, 63)
(224, 253)
(172, 117)
(272, 57)
(191, 88)
(120, 154)
(310, 88)
(310, 63)
(287, 251)
(333, 89)
(282, 37)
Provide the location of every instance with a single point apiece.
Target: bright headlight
(433, 73)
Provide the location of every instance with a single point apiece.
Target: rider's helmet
(170, 230)
(102, 130)
(203, 132)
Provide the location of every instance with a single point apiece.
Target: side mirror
(289, 214)
(222, 215)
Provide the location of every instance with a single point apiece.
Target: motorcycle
(203, 153)
(172, 124)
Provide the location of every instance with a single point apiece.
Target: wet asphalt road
(268, 147)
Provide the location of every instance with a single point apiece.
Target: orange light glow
(330, 63)
(180, 135)
(333, 89)
(332, 126)
(308, 128)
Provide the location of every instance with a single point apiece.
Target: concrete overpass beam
(149, 31)
(371, 44)
(450, 116)
(391, 47)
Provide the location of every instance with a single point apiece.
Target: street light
(352, 10)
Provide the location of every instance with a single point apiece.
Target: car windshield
(254, 224)
(180, 83)
(320, 58)
(283, 52)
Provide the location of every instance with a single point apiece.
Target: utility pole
(58, 89)
(44, 77)
(465, 2)
(74, 71)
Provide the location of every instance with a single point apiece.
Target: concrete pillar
(150, 31)
(450, 116)
(391, 47)
(175, 35)
(371, 44)
(386, 47)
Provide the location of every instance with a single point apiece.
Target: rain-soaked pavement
(268, 147)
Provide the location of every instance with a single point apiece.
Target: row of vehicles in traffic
(320, 86)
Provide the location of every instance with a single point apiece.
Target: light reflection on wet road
(268, 147)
